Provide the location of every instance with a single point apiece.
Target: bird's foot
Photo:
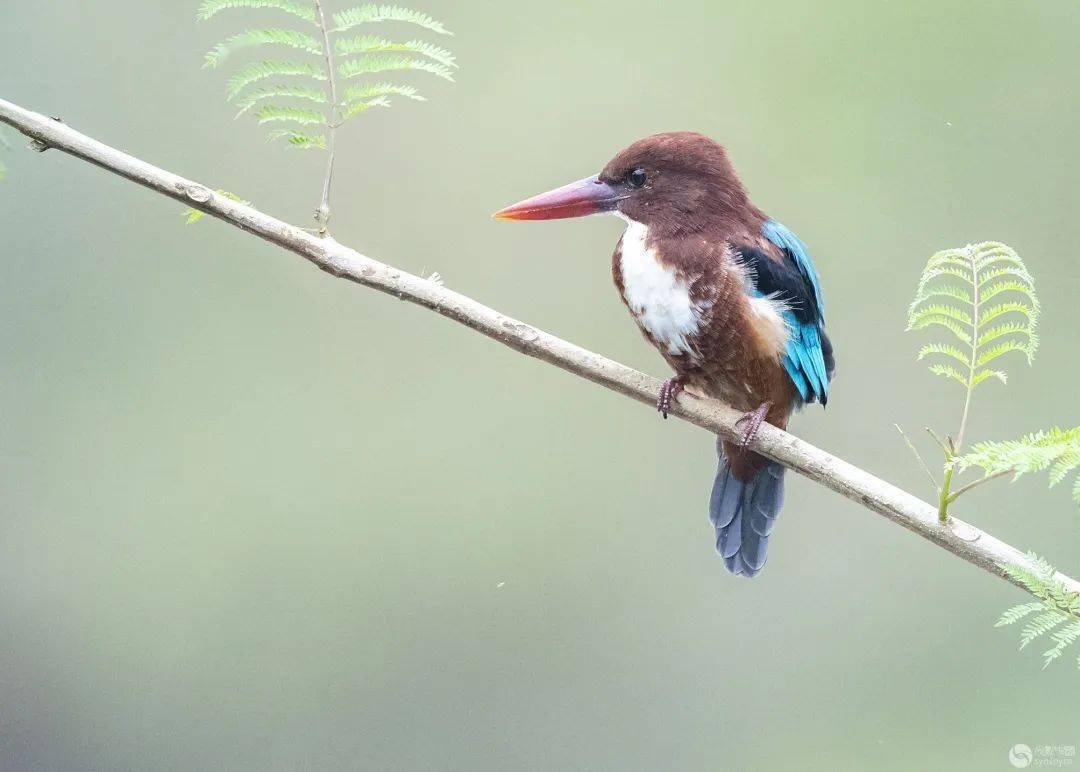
(753, 421)
(669, 392)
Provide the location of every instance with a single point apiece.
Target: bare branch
(959, 538)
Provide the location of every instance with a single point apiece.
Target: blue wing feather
(783, 237)
(805, 359)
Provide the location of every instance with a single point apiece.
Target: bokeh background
(254, 518)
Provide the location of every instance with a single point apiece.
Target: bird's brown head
(673, 183)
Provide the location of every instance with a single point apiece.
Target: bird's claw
(669, 392)
(753, 419)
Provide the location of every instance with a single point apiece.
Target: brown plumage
(690, 174)
(736, 365)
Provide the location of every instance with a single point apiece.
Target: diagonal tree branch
(959, 538)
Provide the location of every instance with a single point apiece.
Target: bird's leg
(753, 421)
(669, 392)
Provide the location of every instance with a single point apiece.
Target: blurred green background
(254, 518)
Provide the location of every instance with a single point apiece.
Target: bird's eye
(636, 178)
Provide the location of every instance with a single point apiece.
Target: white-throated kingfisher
(729, 296)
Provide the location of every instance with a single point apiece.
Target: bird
(729, 296)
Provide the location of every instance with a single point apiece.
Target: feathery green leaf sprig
(1055, 449)
(282, 90)
(987, 271)
(1056, 614)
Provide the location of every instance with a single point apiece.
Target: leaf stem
(961, 491)
(974, 350)
(322, 214)
(946, 496)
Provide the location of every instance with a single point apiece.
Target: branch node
(38, 146)
(526, 332)
(196, 193)
(963, 531)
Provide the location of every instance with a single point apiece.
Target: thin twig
(914, 450)
(937, 438)
(957, 537)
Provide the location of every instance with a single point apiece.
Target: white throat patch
(658, 298)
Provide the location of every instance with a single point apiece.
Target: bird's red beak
(588, 196)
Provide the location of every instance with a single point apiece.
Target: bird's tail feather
(744, 513)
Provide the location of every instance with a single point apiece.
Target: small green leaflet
(192, 216)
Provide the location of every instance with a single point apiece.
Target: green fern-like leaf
(983, 375)
(274, 92)
(1055, 449)
(920, 321)
(938, 309)
(360, 93)
(366, 14)
(253, 73)
(302, 116)
(988, 355)
(989, 270)
(355, 108)
(1057, 611)
(1040, 625)
(948, 371)
(307, 81)
(988, 277)
(373, 63)
(1037, 579)
(262, 37)
(949, 351)
(209, 8)
(989, 334)
(987, 293)
(1013, 615)
(945, 291)
(940, 270)
(1063, 638)
(299, 140)
(366, 44)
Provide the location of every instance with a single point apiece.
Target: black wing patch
(784, 279)
(809, 359)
